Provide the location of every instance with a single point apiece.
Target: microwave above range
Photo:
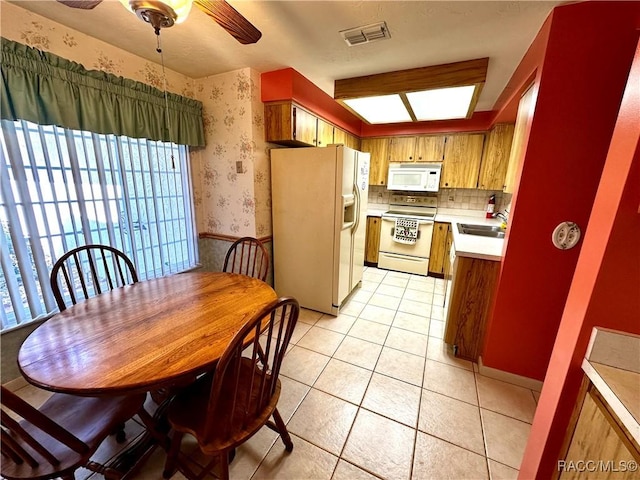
(414, 177)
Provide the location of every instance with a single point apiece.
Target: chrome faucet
(502, 216)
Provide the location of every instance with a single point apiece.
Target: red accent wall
(479, 121)
(605, 288)
(288, 84)
(579, 84)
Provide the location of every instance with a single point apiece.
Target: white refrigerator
(319, 209)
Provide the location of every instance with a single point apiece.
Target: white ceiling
(304, 35)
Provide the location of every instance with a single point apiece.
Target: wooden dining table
(140, 337)
(149, 336)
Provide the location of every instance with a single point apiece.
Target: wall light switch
(239, 167)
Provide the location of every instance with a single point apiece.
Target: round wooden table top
(143, 336)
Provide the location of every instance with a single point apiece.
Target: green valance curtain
(44, 88)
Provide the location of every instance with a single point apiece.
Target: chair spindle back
(246, 376)
(247, 256)
(88, 271)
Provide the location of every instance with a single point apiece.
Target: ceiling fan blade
(83, 4)
(229, 19)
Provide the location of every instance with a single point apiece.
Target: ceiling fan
(164, 13)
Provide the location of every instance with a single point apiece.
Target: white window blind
(62, 188)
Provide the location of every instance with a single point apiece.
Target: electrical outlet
(452, 198)
(379, 194)
(239, 167)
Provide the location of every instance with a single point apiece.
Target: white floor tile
(375, 393)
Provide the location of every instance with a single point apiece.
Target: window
(63, 188)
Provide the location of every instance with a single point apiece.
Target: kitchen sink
(481, 230)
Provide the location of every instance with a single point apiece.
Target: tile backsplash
(459, 198)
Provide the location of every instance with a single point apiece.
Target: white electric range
(405, 235)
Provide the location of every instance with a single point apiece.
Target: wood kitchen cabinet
(439, 256)
(345, 138)
(285, 123)
(472, 292)
(402, 149)
(379, 167)
(495, 158)
(596, 434)
(421, 148)
(462, 157)
(430, 148)
(324, 133)
(372, 242)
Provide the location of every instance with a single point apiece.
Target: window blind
(63, 188)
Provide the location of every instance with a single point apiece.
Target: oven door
(422, 246)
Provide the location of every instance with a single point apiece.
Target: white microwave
(414, 177)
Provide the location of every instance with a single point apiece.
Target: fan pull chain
(166, 100)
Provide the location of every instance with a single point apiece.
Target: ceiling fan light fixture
(160, 13)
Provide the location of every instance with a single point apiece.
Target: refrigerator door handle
(356, 222)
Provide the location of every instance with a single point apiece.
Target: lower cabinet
(598, 446)
(372, 242)
(439, 256)
(472, 292)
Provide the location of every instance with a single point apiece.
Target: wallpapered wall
(232, 199)
(227, 203)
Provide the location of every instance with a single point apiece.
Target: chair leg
(119, 432)
(284, 433)
(172, 455)
(224, 466)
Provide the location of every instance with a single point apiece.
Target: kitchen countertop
(612, 364)
(474, 246)
(376, 209)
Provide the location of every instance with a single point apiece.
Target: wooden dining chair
(90, 270)
(247, 256)
(225, 409)
(61, 436)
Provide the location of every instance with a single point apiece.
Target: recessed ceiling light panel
(382, 109)
(441, 103)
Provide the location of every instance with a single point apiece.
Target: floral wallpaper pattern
(235, 162)
(230, 199)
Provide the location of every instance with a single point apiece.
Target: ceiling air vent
(366, 34)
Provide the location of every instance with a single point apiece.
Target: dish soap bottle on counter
(491, 205)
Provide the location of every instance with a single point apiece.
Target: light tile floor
(375, 393)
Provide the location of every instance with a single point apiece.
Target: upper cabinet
(305, 126)
(345, 138)
(286, 123)
(468, 160)
(495, 158)
(402, 149)
(525, 112)
(421, 148)
(462, 157)
(430, 148)
(378, 148)
(324, 133)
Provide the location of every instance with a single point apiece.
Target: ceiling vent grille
(366, 34)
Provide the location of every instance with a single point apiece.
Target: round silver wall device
(566, 235)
